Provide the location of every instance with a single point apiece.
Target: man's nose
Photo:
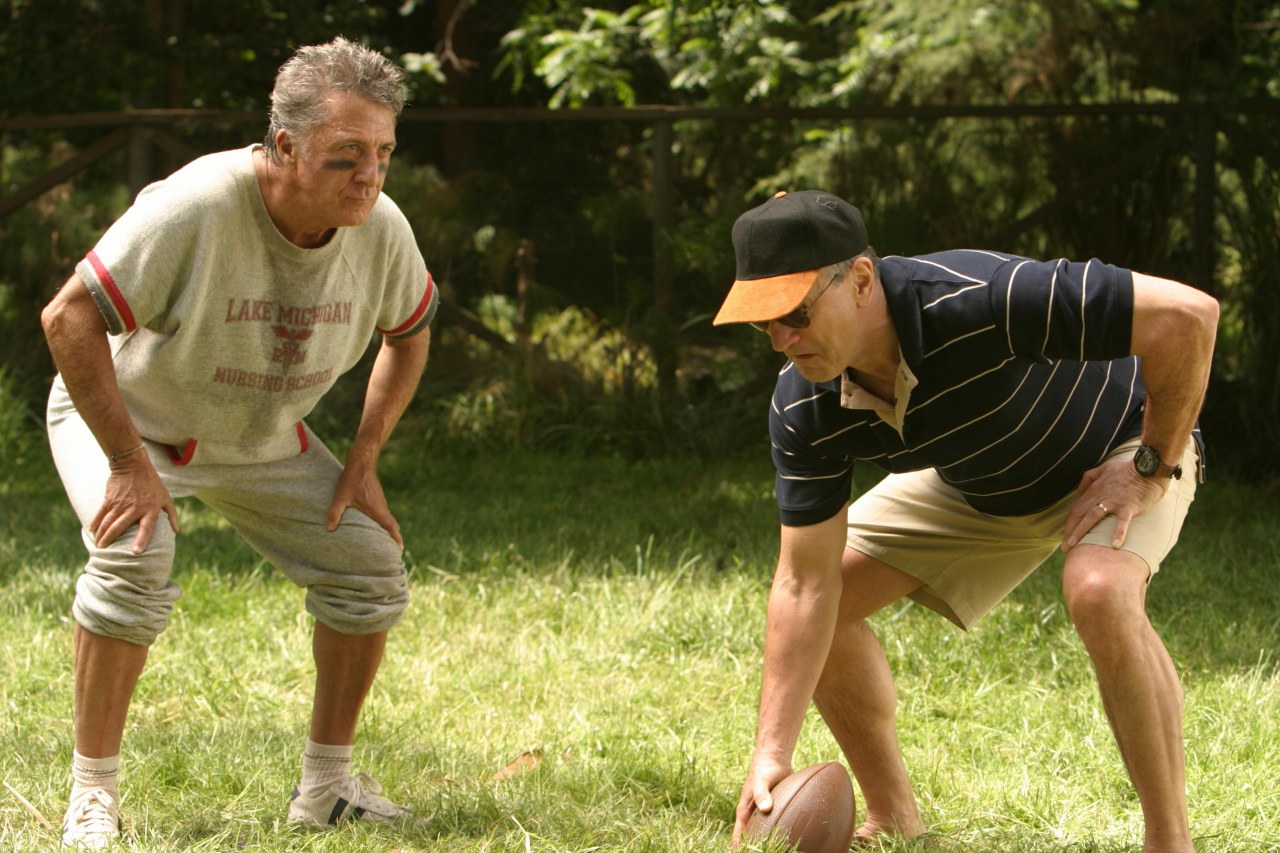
(781, 335)
(368, 168)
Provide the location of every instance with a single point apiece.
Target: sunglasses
(799, 318)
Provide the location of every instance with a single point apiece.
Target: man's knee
(347, 616)
(1104, 590)
(853, 644)
(127, 596)
(361, 604)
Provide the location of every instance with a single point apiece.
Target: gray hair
(841, 268)
(305, 80)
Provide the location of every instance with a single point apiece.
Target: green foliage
(579, 63)
(425, 74)
(571, 381)
(19, 426)
(40, 245)
(581, 193)
(1248, 367)
(969, 51)
(1116, 188)
(975, 51)
(165, 53)
(720, 52)
(734, 52)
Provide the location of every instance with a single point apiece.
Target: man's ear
(863, 276)
(286, 147)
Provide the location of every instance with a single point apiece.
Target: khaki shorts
(969, 561)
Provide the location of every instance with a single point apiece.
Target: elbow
(1189, 324)
(60, 322)
(1211, 310)
(51, 320)
(72, 317)
(1172, 320)
(1205, 312)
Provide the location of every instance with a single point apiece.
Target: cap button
(779, 193)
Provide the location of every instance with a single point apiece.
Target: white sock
(322, 765)
(95, 773)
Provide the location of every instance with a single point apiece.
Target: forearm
(77, 336)
(801, 621)
(396, 372)
(1174, 331)
(1171, 409)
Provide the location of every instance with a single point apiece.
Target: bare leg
(345, 667)
(106, 672)
(1106, 594)
(857, 698)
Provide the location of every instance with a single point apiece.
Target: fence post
(663, 200)
(139, 159)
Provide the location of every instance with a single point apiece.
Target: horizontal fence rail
(141, 131)
(664, 112)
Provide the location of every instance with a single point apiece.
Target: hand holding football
(813, 808)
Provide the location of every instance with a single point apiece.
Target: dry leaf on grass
(524, 762)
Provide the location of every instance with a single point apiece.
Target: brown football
(813, 808)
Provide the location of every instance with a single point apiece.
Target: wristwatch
(1147, 461)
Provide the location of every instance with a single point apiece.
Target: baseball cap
(780, 246)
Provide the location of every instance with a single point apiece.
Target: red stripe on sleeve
(417, 315)
(113, 292)
(302, 437)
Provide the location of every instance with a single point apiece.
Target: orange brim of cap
(763, 299)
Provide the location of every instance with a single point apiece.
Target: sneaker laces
(92, 811)
(366, 793)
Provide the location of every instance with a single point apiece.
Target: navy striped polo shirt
(1024, 381)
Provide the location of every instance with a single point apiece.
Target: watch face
(1146, 460)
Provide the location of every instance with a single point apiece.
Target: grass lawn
(579, 669)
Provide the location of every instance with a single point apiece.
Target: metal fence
(152, 138)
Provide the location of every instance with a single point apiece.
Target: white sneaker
(357, 797)
(93, 819)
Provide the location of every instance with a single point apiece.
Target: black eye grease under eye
(344, 165)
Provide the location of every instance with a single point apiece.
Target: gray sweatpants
(354, 577)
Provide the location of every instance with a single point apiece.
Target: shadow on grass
(463, 513)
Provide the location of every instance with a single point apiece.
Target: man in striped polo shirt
(1019, 407)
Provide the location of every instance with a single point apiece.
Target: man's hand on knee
(135, 494)
(1114, 488)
